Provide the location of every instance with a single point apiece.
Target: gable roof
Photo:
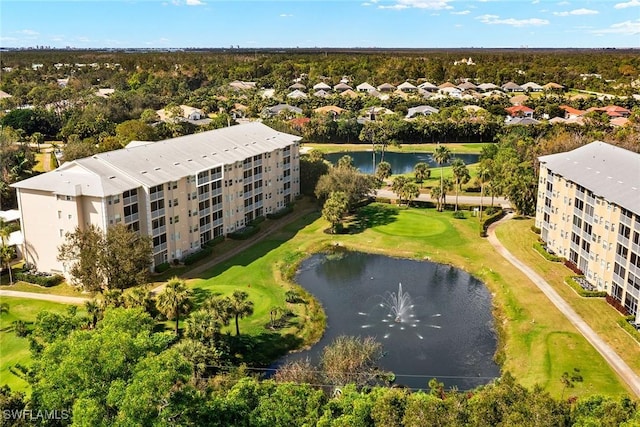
(386, 87)
(113, 172)
(407, 86)
(531, 86)
(329, 109)
(519, 109)
(365, 87)
(608, 171)
(341, 86)
(321, 85)
(511, 86)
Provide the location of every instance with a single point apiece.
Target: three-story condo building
(588, 211)
(182, 192)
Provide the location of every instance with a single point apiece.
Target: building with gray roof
(588, 211)
(183, 191)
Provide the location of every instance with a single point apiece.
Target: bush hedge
(571, 266)
(282, 212)
(41, 279)
(384, 200)
(490, 220)
(459, 215)
(626, 323)
(211, 243)
(542, 251)
(161, 268)
(197, 256)
(583, 292)
(617, 305)
(257, 220)
(244, 233)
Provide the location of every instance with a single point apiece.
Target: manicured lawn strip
(63, 289)
(518, 238)
(455, 147)
(14, 349)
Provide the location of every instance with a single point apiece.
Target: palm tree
(93, 310)
(219, 308)
(421, 172)
(6, 255)
(482, 175)
(461, 175)
(240, 307)
(174, 300)
(441, 155)
(138, 297)
(202, 325)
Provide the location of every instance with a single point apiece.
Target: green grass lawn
(537, 343)
(13, 349)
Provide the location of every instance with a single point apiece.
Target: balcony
(156, 196)
(204, 196)
(130, 200)
(157, 213)
(131, 218)
(158, 231)
(161, 247)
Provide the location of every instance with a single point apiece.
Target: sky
(320, 23)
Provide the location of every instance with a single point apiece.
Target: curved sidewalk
(618, 365)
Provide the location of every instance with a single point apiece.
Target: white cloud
(582, 11)
(188, 2)
(419, 4)
(535, 2)
(495, 20)
(365, 4)
(286, 15)
(631, 3)
(563, 3)
(28, 32)
(462, 12)
(628, 28)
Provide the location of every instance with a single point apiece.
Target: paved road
(451, 198)
(45, 297)
(618, 365)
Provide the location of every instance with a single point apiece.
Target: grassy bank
(13, 349)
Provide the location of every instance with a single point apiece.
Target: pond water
(400, 162)
(436, 324)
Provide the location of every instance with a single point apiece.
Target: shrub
(257, 220)
(571, 266)
(42, 279)
(617, 305)
(571, 281)
(20, 328)
(459, 215)
(490, 220)
(492, 210)
(211, 243)
(244, 233)
(384, 200)
(197, 256)
(282, 212)
(535, 229)
(542, 251)
(161, 268)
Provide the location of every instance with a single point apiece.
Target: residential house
(281, 109)
(365, 87)
(421, 110)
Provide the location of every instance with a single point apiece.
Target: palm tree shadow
(373, 215)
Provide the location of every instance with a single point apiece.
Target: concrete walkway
(618, 365)
(45, 297)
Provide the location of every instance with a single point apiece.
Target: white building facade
(182, 192)
(588, 211)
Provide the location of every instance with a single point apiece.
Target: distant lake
(400, 162)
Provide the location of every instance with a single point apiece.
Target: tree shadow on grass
(263, 349)
(371, 216)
